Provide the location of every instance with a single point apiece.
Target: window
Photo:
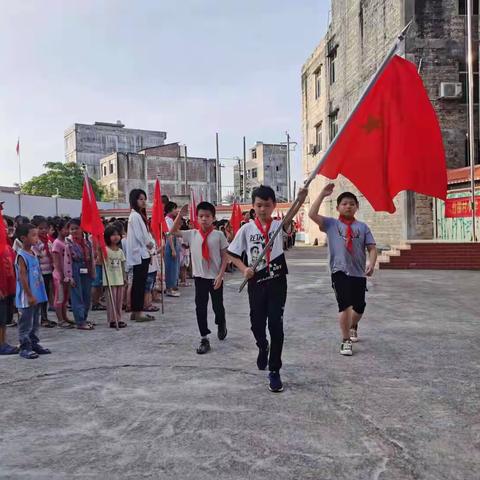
(333, 123)
(111, 167)
(254, 153)
(463, 79)
(318, 138)
(278, 188)
(104, 170)
(318, 82)
(254, 173)
(462, 7)
(278, 168)
(332, 55)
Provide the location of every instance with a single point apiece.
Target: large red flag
(392, 142)
(236, 217)
(159, 224)
(90, 219)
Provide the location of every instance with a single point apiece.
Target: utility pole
(244, 170)
(218, 173)
(186, 180)
(289, 189)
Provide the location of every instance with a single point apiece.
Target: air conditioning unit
(450, 90)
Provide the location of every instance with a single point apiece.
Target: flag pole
(393, 50)
(471, 134)
(161, 268)
(19, 164)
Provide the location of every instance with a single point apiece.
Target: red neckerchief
(264, 232)
(205, 249)
(45, 240)
(349, 240)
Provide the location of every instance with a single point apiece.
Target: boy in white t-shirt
(208, 250)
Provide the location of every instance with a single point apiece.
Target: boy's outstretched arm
(247, 272)
(178, 221)
(313, 213)
(372, 260)
(301, 196)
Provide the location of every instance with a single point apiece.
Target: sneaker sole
(203, 353)
(354, 339)
(276, 391)
(346, 354)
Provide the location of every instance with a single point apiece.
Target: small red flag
(158, 224)
(90, 220)
(18, 147)
(392, 142)
(193, 210)
(236, 217)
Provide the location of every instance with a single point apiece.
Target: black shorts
(350, 291)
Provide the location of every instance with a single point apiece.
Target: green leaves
(66, 177)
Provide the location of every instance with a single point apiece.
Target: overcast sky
(187, 67)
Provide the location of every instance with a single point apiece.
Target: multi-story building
(122, 172)
(87, 144)
(359, 36)
(267, 165)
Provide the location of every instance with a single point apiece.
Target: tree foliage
(66, 177)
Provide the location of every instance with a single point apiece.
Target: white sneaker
(346, 348)
(173, 293)
(353, 335)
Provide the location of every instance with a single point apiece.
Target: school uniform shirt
(216, 242)
(35, 280)
(340, 259)
(138, 238)
(250, 239)
(115, 263)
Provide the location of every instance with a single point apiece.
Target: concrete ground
(140, 403)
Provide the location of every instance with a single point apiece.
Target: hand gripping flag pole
(297, 204)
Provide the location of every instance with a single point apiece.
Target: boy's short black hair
(346, 195)
(206, 206)
(170, 207)
(263, 192)
(24, 229)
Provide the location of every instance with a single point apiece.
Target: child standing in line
(30, 293)
(172, 253)
(348, 239)
(151, 280)
(208, 247)
(43, 252)
(115, 275)
(61, 287)
(79, 268)
(267, 286)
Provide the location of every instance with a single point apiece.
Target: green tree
(66, 177)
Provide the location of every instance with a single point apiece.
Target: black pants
(47, 280)
(204, 287)
(140, 274)
(267, 302)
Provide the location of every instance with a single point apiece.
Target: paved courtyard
(140, 403)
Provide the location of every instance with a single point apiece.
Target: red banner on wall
(461, 207)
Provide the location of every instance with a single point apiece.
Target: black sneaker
(262, 359)
(204, 346)
(222, 331)
(37, 348)
(276, 384)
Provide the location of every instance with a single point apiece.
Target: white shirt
(216, 242)
(137, 239)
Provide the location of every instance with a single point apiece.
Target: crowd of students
(52, 265)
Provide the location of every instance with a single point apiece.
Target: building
(266, 165)
(87, 144)
(122, 172)
(358, 37)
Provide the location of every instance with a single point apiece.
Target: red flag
(3, 232)
(236, 217)
(158, 224)
(193, 210)
(18, 147)
(392, 142)
(90, 219)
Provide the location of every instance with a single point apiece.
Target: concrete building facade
(122, 172)
(358, 37)
(87, 144)
(266, 165)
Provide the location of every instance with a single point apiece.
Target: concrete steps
(431, 256)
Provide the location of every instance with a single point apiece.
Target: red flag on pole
(90, 219)
(193, 210)
(392, 142)
(17, 149)
(236, 217)
(158, 224)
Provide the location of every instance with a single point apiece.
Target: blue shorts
(150, 283)
(98, 282)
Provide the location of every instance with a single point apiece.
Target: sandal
(98, 308)
(120, 324)
(151, 308)
(66, 325)
(85, 326)
(48, 324)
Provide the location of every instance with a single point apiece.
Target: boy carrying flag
(267, 286)
(208, 249)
